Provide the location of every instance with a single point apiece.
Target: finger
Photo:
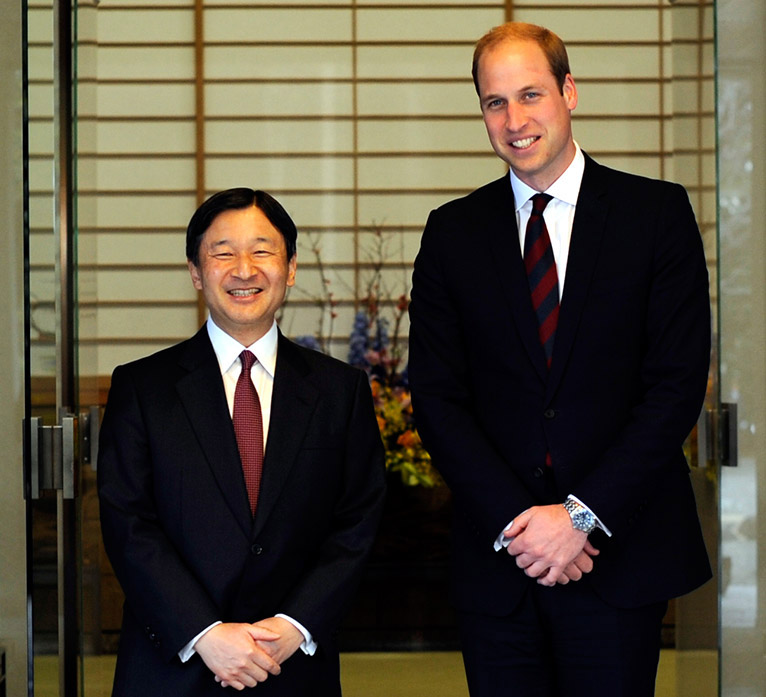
(524, 561)
(516, 547)
(265, 665)
(583, 563)
(590, 549)
(549, 579)
(537, 570)
(236, 684)
(261, 633)
(520, 522)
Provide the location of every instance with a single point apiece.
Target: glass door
(690, 667)
(57, 427)
(741, 147)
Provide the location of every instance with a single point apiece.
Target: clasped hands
(243, 655)
(548, 547)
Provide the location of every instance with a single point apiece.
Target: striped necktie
(542, 275)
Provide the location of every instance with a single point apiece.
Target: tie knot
(539, 202)
(247, 359)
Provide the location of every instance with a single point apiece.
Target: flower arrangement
(374, 346)
(371, 351)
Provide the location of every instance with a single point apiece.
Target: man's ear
(196, 275)
(569, 90)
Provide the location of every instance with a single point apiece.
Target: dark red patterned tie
(248, 427)
(542, 275)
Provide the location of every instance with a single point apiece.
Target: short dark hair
(551, 44)
(237, 199)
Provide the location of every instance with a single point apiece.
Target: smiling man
(240, 481)
(559, 349)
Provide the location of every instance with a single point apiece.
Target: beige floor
(691, 674)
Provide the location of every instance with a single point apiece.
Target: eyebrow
(227, 241)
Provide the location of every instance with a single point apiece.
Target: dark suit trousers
(563, 642)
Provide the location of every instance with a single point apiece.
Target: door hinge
(52, 456)
(55, 453)
(717, 433)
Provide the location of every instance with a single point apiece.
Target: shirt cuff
(188, 651)
(599, 524)
(309, 646)
(501, 542)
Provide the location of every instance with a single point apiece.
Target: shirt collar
(566, 188)
(227, 348)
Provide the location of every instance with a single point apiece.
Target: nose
(515, 117)
(245, 266)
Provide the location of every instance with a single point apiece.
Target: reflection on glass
(741, 143)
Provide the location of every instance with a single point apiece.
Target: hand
(232, 652)
(289, 641)
(286, 640)
(547, 547)
(582, 564)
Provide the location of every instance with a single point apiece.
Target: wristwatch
(582, 518)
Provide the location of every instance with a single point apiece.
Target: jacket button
(549, 413)
(256, 549)
(538, 472)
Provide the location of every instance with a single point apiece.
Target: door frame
(14, 617)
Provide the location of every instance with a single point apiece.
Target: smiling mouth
(524, 143)
(244, 292)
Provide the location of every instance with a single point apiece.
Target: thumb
(261, 633)
(518, 523)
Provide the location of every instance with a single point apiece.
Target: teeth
(524, 143)
(244, 293)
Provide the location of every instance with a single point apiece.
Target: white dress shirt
(559, 218)
(227, 350)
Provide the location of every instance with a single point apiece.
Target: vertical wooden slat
(199, 119)
(355, 136)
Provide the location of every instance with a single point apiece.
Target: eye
(494, 103)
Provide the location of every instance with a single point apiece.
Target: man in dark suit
(237, 564)
(559, 351)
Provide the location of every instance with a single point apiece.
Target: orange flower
(408, 439)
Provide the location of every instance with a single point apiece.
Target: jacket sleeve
(645, 452)
(161, 591)
(481, 480)
(324, 589)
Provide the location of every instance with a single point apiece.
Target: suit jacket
(176, 519)
(625, 387)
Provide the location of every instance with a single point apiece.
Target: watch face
(583, 521)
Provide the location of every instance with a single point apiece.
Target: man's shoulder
(626, 183)
(498, 188)
(159, 361)
(312, 360)
(475, 209)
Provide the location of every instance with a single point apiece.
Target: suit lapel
(588, 231)
(292, 406)
(203, 397)
(500, 222)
